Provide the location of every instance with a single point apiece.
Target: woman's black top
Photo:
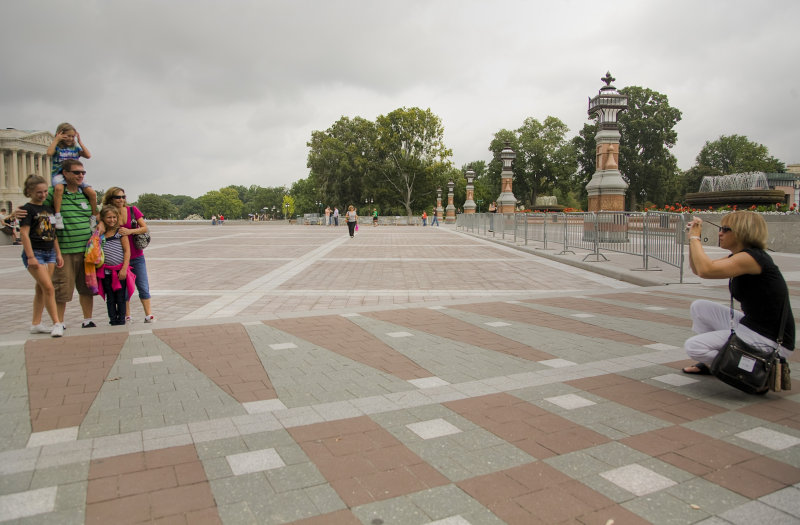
(763, 297)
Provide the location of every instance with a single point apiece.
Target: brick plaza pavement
(408, 376)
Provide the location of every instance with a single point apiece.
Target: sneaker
(149, 319)
(57, 331)
(40, 329)
(59, 222)
(129, 319)
(90, 324)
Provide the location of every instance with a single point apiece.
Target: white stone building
(21, 154)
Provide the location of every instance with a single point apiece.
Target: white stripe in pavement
(229, 305)
(28, 503)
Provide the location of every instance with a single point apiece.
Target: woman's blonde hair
(108, 196)
(749, 227)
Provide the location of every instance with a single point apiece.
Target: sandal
(702, 369)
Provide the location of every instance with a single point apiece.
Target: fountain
(547, 203)
(739, 189)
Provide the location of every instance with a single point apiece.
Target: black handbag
(140, 240)
(754, 369)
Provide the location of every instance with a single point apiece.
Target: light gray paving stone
(709, 497)
(786, 500)
(663, 508)
(254, 461)
(28, 503)
(757, 512)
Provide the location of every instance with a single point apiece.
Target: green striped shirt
(75, 211)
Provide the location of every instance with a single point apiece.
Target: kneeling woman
(755, 281)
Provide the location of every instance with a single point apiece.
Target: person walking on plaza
(131, 222)
(755, 281)
(335, 216)
(374, 217)
(67, 145)
(328, 216)
(76, 212)
(10, 226)
(352, 220)
(424, 218)
(435, 220)
(40, 254)
(492, 210)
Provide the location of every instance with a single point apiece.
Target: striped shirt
(75, 211)
(112, 249)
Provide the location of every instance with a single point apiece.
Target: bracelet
(694, 237)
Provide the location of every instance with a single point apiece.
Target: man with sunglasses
(76, 212)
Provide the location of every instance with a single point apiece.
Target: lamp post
(643, 195)
(479, 201)
(469, 204)
(273, 213)
(450, 211)
(286, 213)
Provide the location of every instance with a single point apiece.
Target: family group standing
(55, 228)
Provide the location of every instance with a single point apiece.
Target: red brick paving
(65, 375)
(725, 464)
(537, 493)
(522, 314)
(226, 355)
(443, 325)
(534, 430)
(363, 462)
(603, 308)
(340, 335)
(650, 299)
(664, 404)
(161, 486)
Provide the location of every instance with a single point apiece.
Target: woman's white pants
(712, 322)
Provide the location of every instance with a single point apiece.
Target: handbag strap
(779, 341)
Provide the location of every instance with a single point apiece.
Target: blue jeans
(140, 271)
(43, 256)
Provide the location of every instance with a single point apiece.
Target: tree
(412, 158)
(737, 154)
(222, 202)
(155, 206)
(648, 134)
(340, 158)
(546, 159)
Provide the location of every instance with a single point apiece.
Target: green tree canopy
(737, 154)
(222, 202)
(412, 158)
(155, 206)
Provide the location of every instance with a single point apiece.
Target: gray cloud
(187, 96)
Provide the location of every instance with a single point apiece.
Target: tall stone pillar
(506, 202)
(607, 188)
(3, 180)
(439, 209)
(469, 204)
(14, 184)
(451, 209)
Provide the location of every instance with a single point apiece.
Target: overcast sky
(184, 97)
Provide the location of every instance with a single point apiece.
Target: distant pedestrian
(328, 216)
(435, 220)
(352, 220)
(424, 218)
(374, 217)
(336, 216)
(492, 210)
(41, 254)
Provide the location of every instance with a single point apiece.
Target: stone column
(506, 202)
(451, 209)
(607, 188)
(3, 181)
(469, 204)
(14, 180)
(439, 209)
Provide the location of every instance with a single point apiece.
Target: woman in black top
(755, 281)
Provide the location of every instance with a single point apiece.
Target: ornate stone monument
(607, 188)
(469, 204)
(506, 202)
(451, 209)
(439, 209)
(21, 154)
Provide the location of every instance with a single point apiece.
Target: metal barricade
(651, 235)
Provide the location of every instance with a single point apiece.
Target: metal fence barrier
(651, 235)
